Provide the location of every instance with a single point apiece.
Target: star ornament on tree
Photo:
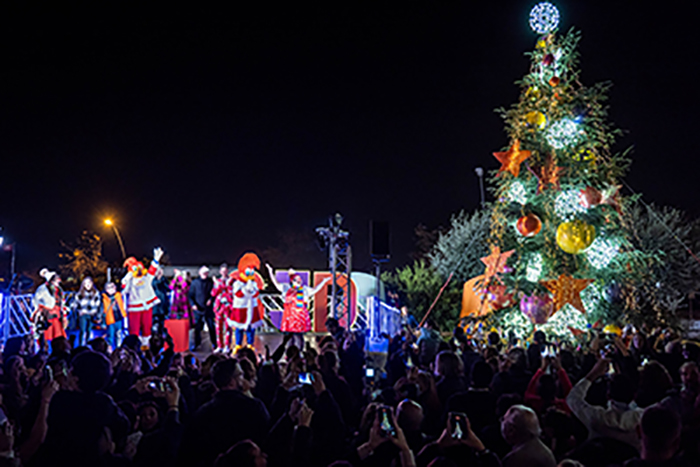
(566, 289)
(512, 158)
(549, 176)
(495, 263)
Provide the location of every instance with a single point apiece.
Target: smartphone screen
(459, 425)
(369, 372)
(156, 385)
(385, 424)
(48, 373)
(304, 378)
(611, 369)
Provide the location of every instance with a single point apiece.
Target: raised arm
(277, 285)
(316, 289)
(531, 391)
(155, 264)
(576, 400)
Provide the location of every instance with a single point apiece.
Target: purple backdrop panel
(276, 318)
(282, 276)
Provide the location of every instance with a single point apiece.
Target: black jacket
(76, 422)
(228, 418)
(200, 293)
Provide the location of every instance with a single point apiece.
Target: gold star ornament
(512, 158)
(495, 263)
(566, 289)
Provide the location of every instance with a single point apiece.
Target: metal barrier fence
(384, 320)
(16, 310)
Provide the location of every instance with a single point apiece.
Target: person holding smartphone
(542, 390)
(460, 444)
(385, 429)
(619, 420)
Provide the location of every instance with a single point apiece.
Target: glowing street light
(110, 223)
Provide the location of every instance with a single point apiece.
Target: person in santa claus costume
(223, 298)
(49, 313)
(140, 296)
(295, 317)
(246, 309)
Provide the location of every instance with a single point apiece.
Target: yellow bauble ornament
(533, 93)
(574, 237)
(584, 154)
(536, 119)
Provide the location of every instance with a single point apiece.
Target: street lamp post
(110, 223)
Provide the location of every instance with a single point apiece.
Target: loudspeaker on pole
(380, 240)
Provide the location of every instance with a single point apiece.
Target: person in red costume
(48, 315)
(141, 298)
(295, 317)
(246, 310)
(223, 297)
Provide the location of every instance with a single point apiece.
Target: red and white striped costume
(223, 299)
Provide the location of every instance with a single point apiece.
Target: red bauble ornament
(590, 197)
(529, 225)
(548, 59)
(554, 81)
(498, 297)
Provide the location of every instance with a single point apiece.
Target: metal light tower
(340, 264)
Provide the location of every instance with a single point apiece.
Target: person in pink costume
(179, 303)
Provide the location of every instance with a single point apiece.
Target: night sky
(213, 132)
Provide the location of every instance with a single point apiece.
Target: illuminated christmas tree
(561, 256)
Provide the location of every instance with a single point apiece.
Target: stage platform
(271, 339)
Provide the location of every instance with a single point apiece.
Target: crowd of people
(433, 400)
(87, 396)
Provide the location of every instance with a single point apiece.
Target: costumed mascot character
(246, 310)
(49, 314)
(223, 298)
(295, 317)
(140, 296)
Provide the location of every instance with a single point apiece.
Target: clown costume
(295, 317)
